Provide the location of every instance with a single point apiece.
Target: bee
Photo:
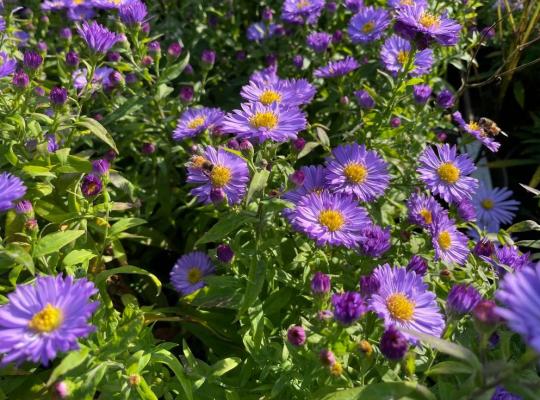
(207, 166)
(489, 127)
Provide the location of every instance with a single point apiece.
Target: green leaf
(223, 366)
(78, 257)
(125, 224)
(90, 382)
(256, 277)
(36, 170)
(383, 391)
(229, 223)
(128, 269)
(174, 71)
(98, 130)
(534, 191)
(450, 368)
(71, 361)
(308, 148)
(55, 241)
(323, 137)
(524, 226)
(124, 110)
(258, 183)
(165, 357)
(19, 256)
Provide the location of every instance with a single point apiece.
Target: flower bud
(297, 177)
(393, 344)
(224, 253)
(320, 283)
(327, 357)
(296, 335)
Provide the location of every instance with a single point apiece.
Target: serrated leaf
(55, 241)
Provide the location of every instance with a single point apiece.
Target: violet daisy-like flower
(301, 11)
(337, 68)
(462, 299)
(348, 307)
(313, 182)
(403, 301)
(265, 76)
(475, 130)
(519, 295)
(188, 273)
(7, 65)
(374, 240)
(12, 189)
(401, 3)
(494, 205)
(269, 93)
(449, 243)
(302, 89)
(508, 258)
(256, 32)
(260, 122)
(368, 24)
(319, 41)
(133, 12)
(445, 173)
(45, 318)
(422, 209)
(98, 38)
(330, 218)
(500, 392)
(396, 54)
(415, 22)
(221, 170)
(196, 120)
(356, 171)
(91, 185)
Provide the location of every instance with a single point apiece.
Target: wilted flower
(91, 185)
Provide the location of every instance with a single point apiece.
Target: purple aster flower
(348, 307)
(418, 265)
(98, 38)
(421, 93)
(375, 241)
(337, 36)
(414, 22)
(133, 12)
(393, 344)
(174, 50)
(265, 76)
(503, 394)
(296, 335)
(446, 173)
(509, 258)
(101, 166)
(364, 99)
(401, 3)
(466, 211)
(42, 319)
(58, 96)
(475, 129)
(484, 247)
(320, 283)
(368, 24)
(422, 209)
(445, 99)
(91, 185)
(462, 299)
(301, 11)
(20, 79)
(267, 14)
(396, 54)
(187, 275)
(110, 4)
(494, 205)
(449, 243)
(11, 189)
(404, 301)
(208, 57)
(356, 171)
(218, 169)
(224, 253)
(80, 13)
(72, 59)
(194, 121)
(519, 295)
(186, 94)
(313, 182)
(369, 284)
(338, 68)
(256, 32)
(256, 121)
(269, 93)
(333, 219)
(23, 207)
(319, 41)
(2, 24)
(302, 89)
(32, 60)
(353, 5)
(7, 65)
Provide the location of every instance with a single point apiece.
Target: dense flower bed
(274, 199)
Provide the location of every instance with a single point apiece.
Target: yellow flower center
(487, 204)
(403, 57)
(194, 275)
(368, 27)
(429, 20)
(445, 240)
(220, 176)
(473, 126)
(302, 4)
(196, 123)
(448, 172)
(46, 320)
(332, 219)
(400, 307)
(356, 173)
(426, 214)
(269, 96)
(264, 120)
(336, 369)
